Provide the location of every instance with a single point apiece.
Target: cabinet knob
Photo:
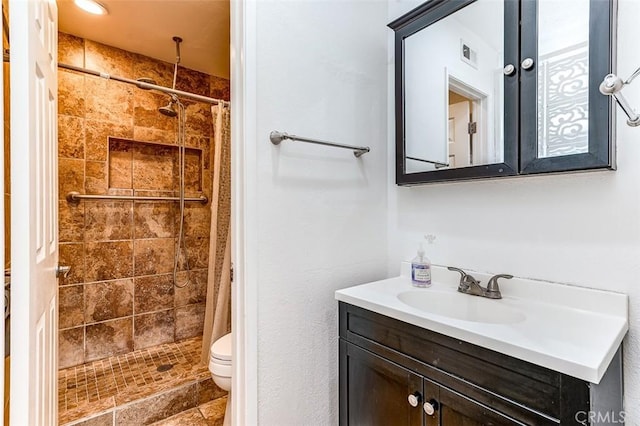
(509, 69)
(527, 64)
(414, 399)
(430, 407)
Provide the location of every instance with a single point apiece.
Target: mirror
(563, 77)
(490, 88)
(453, 90)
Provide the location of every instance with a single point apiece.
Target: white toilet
(220, 368)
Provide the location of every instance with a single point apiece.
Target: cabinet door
(566, 50)
(374, 391)
(454, 409)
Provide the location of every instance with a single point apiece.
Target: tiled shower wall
(119, 295)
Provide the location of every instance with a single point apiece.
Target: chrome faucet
(469, 285)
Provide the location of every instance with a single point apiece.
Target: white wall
(581, 228)
(320, 212)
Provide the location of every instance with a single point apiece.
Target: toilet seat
(221, 348)
(220, 357)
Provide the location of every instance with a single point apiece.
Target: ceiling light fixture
(91, 6)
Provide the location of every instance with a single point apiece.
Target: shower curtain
(217, 321)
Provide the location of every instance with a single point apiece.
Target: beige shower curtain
(217, 321)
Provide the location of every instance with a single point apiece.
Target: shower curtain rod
(147, 86)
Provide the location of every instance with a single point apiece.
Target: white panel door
(34, 38)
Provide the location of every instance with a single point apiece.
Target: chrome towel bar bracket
(612, 85)
(276, 137)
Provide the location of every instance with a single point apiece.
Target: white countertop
(570, 329)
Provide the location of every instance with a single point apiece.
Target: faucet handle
(493, 290)
(466, 280)
(460, 271)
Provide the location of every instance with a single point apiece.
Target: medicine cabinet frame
(520, 121)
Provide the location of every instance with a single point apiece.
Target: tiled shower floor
(137, 388)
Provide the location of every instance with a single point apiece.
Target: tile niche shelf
(150, 168)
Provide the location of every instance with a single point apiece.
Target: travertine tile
(161, 72)
(107, 220)
(70, 49)
(70, 176)
(153, 167)
(153, 256)
(105, 419)
(202, 143)
(199, 120)
(70, 222)
(114, 104)
(120, 163)
(198, 250)
(108, 300)
(108, 59)
(146, 134)
(153, 329)
(109, 338)
(71, 94)
(70, 137)
(190, 417)
(70, 347)
(109, 260)
(96, 177)
(71, 306)
(97, 133)
(197, 220)
(154, 220)
(214, 410)
(86, 409)
(157, 408)
(220, 88)
(195, 291)
(189, 321)
(72, 255)
(153, 293)
(146, 113)
(193, 81)
(192, 171)
(208, 391)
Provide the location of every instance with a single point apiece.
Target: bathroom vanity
(545, 354)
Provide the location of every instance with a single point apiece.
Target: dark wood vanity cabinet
(383, 361)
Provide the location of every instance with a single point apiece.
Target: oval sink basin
(461, 306)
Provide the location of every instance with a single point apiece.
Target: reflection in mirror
(453, 90)
(563, 77)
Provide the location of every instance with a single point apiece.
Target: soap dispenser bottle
(421, 270)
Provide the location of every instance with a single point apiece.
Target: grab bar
(276, 137)
(74, 197)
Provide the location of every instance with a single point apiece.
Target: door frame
(244, 221)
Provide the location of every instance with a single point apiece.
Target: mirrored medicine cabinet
(490, 88)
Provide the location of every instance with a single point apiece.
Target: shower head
(168, 110)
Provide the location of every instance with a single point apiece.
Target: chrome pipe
(276, 137)
(74, 197)
(146, 86)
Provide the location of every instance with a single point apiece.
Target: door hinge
(472, 127)
(232, 272)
